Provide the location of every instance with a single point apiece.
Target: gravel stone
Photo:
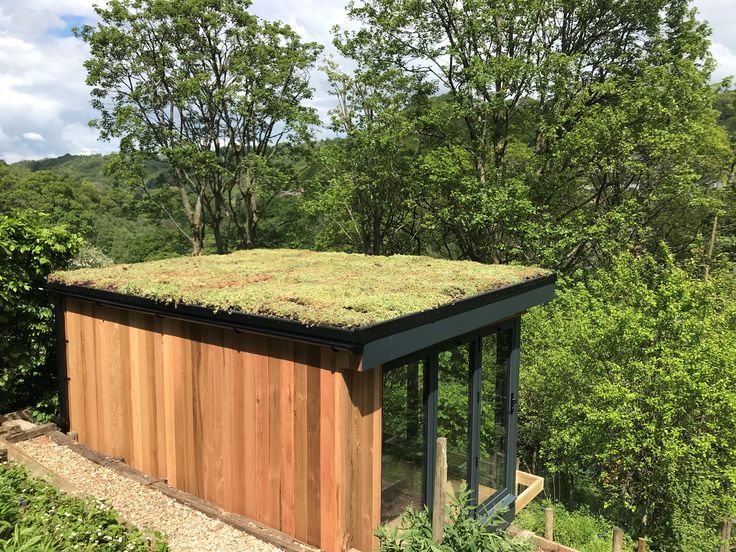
(186, 530)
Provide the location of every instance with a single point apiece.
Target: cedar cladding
(282, 432)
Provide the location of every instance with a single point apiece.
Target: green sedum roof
(333, 289)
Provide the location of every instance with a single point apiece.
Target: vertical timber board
(138, 369)
(260, 350)
(313, 446)
(286, 414)
(149, 418)
(88, 348)
(274, 351)
(232, 441)
(158, 360)
(172, 382)
(192, 409)
(329, 491)
(366, 483)
(376, 423)
(72, 321)
(114, 369)
(102, 389)
(301, 459)
(345, 365)
(246, 461)
(216, 425)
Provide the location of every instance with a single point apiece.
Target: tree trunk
(251, 218)
(711, 246)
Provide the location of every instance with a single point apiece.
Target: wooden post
(618, 539)
(440, 485)
(549, 524)
(726, 535)
(642, 545)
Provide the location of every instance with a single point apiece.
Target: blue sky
(45, 102)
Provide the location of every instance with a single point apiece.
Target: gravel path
(186, 529)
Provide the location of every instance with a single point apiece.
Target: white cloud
(721, 16)
(43, 96)
(42, 78)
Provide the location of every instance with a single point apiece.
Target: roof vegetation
(334, 289)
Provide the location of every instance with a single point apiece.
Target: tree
(629, 381)
(566, 130)
(211, 88)
(30, 249)
(364, 190)
(66, 202)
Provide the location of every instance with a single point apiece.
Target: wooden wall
(285, 433)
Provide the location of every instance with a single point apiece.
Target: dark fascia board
(413, 339)
(378, 343)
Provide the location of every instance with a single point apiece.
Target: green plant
(629, 382)
(29, 251)
(462, 532)
(578, 529)
(36, 516)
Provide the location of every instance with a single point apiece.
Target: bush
(29, 251)
(90, 256)
(629, 382)
(35, 516)
(461, 533)
(577, 529)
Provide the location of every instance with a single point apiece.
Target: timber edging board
(261, 532)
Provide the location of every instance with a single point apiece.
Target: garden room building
(302, 390)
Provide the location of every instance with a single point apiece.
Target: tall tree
(210, 87)
(364, 190)
(567, 127)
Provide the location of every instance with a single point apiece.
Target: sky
(44, 101)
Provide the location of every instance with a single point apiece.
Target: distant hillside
(82, 168)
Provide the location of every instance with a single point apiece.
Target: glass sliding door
(453, 417)
(494, 414)
(466, 392)
(402, 460)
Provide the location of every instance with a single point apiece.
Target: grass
(334, 289)
(578, 529)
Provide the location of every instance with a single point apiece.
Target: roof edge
(348, 339)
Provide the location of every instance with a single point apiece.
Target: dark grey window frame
(428, 358)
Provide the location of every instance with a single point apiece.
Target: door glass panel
(453, 396)
(495, 355)
(403, 437)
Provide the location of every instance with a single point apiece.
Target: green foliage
(29, 251)
(37, 517)
(89, 256)
(629, 379)
(461, 532)
(64, 201)
(214, 90)
(363, 191)
(578, 529)
(560, 141)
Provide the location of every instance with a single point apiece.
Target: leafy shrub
(577, 529)
(35, 516)
(462, 532)
(629, 382)
(29, 251)
(90, 256)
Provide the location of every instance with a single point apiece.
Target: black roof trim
(352, 339)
